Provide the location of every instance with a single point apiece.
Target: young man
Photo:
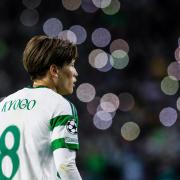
(38, 126)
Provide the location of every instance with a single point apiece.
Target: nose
(75, 73)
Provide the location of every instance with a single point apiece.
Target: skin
(61, 80)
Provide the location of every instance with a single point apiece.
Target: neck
(44, 83)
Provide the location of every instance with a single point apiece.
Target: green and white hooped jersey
(34, 123)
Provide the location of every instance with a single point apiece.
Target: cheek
(66, 80)
(68, 75)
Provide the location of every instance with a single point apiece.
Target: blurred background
(127, 94)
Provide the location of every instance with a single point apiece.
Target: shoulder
(12, 95)
(63, 105)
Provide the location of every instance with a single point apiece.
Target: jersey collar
(40, 86)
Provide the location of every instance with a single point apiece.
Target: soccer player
(38, 126)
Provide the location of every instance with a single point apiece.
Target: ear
(53, 70)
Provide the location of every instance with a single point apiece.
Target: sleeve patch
(71, 127)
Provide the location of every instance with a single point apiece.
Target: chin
(71, 91)
(65, 91)
(68, 92)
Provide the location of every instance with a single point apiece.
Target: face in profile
(66, 79)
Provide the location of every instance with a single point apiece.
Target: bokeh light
(71, 5)
(101, 60)
(109, 102)
(174, 70)
(120, 59)
(29, 17)
(127, 101)
(86, 92)
(92, 105)
(99, 108)
(31, 4)
(168, 116)
(113, 8)
(177, 54)
(68, 35)
(169, 85)
(107, 67)
(88, 6)
(52, 27)
(130, 131)
(101, 3)
(119, 44)
(80, 33)
(178, 103)
(101, 37)
(92, 56)
(102, 120)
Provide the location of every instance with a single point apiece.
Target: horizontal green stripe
(60, 143)
(60, 121)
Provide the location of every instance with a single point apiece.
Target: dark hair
(42, 51)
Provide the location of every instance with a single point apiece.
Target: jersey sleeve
(64, 130)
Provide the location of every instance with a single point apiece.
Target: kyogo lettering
(18, 105)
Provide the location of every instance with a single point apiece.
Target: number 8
(10, 152)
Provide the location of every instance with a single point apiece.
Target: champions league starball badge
(71, 127)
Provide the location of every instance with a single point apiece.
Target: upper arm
(64, 130)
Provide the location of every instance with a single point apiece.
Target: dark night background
(151, 28)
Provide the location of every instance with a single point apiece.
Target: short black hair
(42, 51)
